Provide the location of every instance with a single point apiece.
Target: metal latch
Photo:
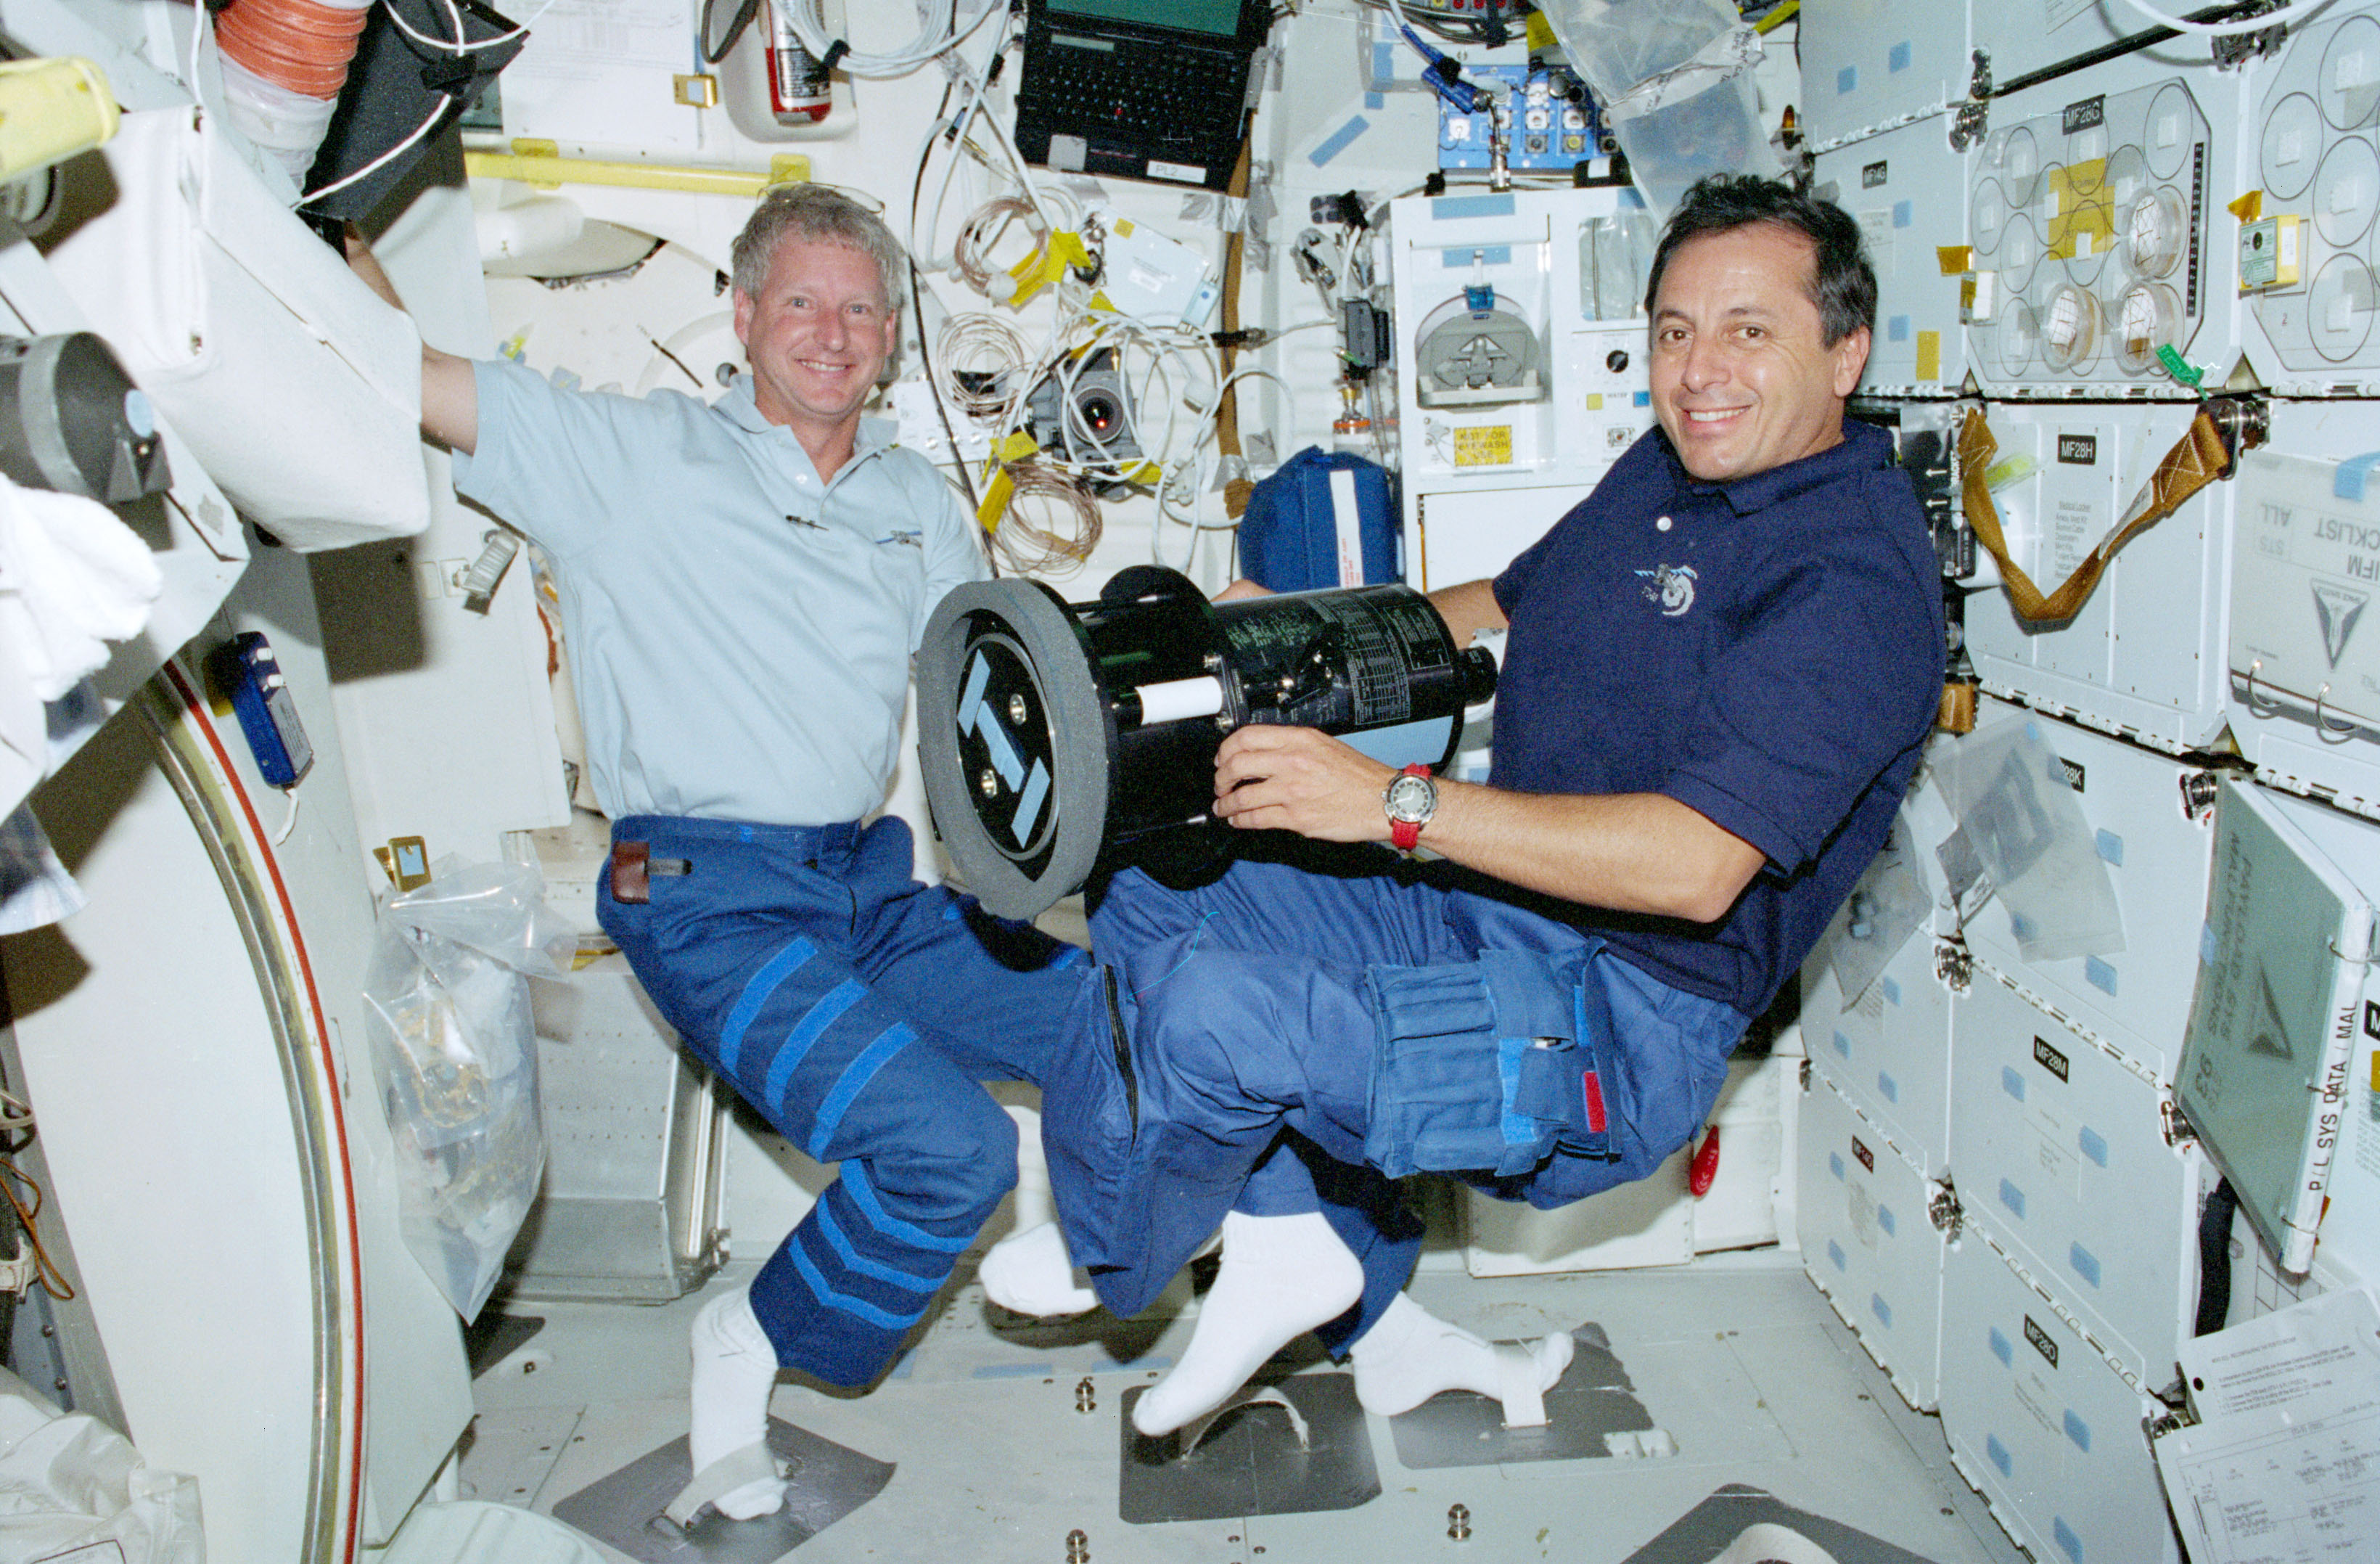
(1954, 965)
(2199, 790)
(1972, 119)
(1944, 1211)
(2246, 422)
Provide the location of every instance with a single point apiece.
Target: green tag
(2179, 367)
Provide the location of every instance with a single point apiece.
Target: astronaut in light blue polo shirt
(742, 585)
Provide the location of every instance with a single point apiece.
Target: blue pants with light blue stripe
(857, 1010)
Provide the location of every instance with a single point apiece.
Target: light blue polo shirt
(739, 632)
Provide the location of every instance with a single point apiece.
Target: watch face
(1412, 799)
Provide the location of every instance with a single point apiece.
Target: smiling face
(1742, 380)
(817, 334)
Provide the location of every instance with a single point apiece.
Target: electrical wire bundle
(987, 371)
(16, 1129)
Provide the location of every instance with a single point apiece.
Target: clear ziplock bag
(455, 1055)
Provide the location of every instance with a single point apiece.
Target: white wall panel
(1868, 1243)
(2143, 655)
(1867, 63)
(2041, 1425)
(2062, 1163)
(2024, 37)
(1586, 398)
(2137, 1000)
(2304, 562)
(1907, 190)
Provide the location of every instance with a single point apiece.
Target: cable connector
(1246, 337)
(18, 1275)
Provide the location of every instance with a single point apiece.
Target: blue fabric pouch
(1490, 1069)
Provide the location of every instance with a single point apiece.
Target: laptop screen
(1220, 17)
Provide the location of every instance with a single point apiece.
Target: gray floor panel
(623, 1508)
(1591, 1414)
(1253, 1462)
(1741, 1525)
(511, 1455)
(1744, 1366)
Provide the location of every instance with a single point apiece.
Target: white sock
(734, 1370)
(1030, 1271)
(1281, 1277)
(1410, 1355)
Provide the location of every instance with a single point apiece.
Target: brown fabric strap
(2199, 459)
(631, 883)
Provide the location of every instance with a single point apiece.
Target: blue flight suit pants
(1392, 1021)
(857, 1010)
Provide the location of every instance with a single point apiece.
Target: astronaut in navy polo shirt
(1721, 666)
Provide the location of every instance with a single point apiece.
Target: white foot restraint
(1525, 1372)
(753, 1463)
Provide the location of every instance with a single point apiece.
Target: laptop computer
(1140, 88)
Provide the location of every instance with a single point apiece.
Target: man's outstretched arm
(450, 387)
(1632, 852)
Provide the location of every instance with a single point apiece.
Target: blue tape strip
(2348, 483)
(1336, 142)
(1490, 254)
(1447, 209)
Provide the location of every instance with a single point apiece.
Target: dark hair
(819, 214)
(1842, 284)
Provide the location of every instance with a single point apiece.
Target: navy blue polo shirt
(1766, 652)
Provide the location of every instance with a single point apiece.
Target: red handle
(1706, 1166)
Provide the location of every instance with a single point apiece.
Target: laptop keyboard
(1154, 97)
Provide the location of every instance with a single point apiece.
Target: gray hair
(818, 215)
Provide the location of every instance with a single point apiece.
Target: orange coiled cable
(293, 43)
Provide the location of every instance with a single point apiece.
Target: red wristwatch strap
(1405, 835)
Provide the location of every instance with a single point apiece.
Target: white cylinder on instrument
(1180, 698)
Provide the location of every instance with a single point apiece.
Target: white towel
(73, 577)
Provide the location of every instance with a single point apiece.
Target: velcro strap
(2200, 459)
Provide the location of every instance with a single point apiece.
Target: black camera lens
(1100, 412)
